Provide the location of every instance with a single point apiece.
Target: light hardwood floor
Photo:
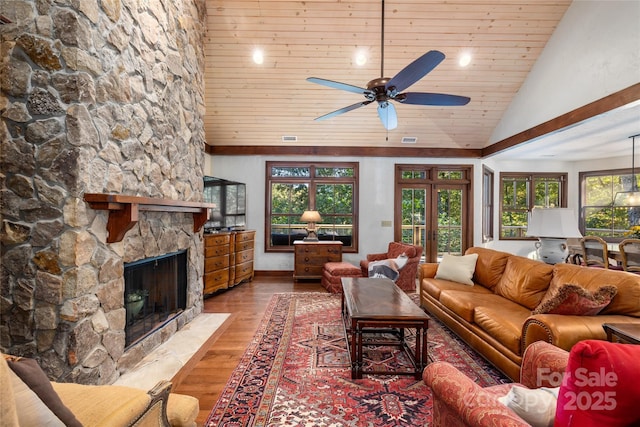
(206, 374)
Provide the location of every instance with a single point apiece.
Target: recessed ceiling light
(361, 57)
(258, 56)
(464, 59)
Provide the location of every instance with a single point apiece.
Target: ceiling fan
(386, 89)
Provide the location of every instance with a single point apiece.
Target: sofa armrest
(466, 400)
(543, 365)
(563, 330)
(427, 270)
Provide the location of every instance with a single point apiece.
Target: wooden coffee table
(378, 306)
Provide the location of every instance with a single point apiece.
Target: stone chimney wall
(98, 96)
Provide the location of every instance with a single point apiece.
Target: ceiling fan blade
(344, 110)
(337, 85)
(388, 116)
(415, 71)
(443, 99)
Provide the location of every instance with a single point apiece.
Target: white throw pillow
(535, 406)
(457, 268)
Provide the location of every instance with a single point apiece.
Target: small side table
(627, 333)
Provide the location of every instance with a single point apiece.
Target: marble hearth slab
(169, 357)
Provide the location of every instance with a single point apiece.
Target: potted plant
(134, 302)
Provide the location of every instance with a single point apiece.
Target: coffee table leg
(354, 350)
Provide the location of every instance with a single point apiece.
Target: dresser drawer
(216, 263)
(244, 256)
(245, 236)
(216, 280)
(244, 245)
(217, 239)
(214, 251)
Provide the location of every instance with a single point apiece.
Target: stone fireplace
(98, 97)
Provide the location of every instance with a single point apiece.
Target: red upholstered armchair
(593, 370)
(407, 278)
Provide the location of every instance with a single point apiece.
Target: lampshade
(310, 216)
(553, 222)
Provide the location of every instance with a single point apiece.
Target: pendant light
(630, 197)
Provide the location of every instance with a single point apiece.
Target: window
(329, 188)
(598, 216)
(487, 204)
(521, 192)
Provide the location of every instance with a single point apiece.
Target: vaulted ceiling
(250, 105)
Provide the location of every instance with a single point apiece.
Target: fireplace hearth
(155, 291)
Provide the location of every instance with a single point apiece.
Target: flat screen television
(230, 200)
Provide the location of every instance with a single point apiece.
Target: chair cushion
(600, 387)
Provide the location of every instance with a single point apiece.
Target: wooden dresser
(228, 259)
(311, 256)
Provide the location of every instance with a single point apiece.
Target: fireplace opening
(155, 291)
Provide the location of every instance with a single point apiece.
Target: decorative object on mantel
(311, 217)
(630, 197)
(123, 211)
(552, 227)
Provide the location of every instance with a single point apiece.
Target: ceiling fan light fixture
(361, 58)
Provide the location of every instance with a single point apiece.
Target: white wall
(594, 52)
(376, 196)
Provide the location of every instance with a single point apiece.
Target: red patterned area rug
(296, 372)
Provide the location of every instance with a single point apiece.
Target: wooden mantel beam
(124, 210)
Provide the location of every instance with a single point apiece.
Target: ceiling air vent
(289, 138)
(409, 139)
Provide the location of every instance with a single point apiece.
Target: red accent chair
(407, 279)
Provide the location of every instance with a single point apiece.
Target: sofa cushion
(503, 322)
(434, 287)
(30, 409)
(600, 386)
(118, 405)
(524, 281)
(464, 303)
(626, 301)
(34, 377)
(489, 266)
(570, 299)
(457, 268)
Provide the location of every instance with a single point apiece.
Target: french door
(433, 208)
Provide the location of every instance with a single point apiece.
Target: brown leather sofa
(495, 315)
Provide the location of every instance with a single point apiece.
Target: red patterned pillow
(575, 300)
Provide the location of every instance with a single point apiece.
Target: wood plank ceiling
(256, 105)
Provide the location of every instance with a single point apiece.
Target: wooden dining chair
(595, 253)
(630, 252)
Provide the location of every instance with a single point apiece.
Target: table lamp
(552, 227)
(311, 217)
